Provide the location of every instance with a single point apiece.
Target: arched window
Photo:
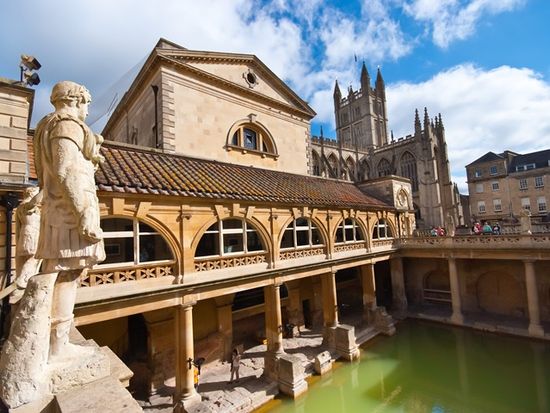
(252, 137)
(381, 230)
(365, 170)
(408, 169)
(301, 233)
(333, 162)
(351, 168)
(348, 231)
(132, 242)
(384, 167)
(229, 237)
(316, 163)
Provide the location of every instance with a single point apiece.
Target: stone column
(186, 395)
(369, 290)
(535, 328)
(273, 329)
(225, 327)
(457, 316)
(295, 314)
(330, 307)
(398, 285)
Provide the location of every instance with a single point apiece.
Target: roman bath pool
(433, 368)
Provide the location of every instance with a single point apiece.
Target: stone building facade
(216, 233)
(502, 186)
(362, 151)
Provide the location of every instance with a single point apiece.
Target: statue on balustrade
(38, 355)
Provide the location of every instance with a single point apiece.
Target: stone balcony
(536, 246)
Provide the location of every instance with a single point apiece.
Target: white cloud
(483, 110)
(452, 20)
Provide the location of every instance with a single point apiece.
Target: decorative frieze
(349, 247)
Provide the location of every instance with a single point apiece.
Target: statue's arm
(68, 168)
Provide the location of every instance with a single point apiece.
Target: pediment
(243, 72)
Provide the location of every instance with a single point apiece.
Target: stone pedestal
(329, 338)
(323, 363)
(291, 375)
(346, 345)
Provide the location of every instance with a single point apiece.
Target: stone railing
(300, 253)
(209, 264)
(536, 241)
(104, 276)
(350, 247)
(386, 242)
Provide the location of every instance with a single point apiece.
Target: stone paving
(252, 390)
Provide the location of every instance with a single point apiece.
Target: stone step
(100, 396)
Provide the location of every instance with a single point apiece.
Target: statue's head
(67, 94)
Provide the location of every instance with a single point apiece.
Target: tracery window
(408, 169)
(301, 233)
(384, 167)
(132, 242)
(348, 231)
(316, 163)
(229, 237)
(351, 169)
(251, 137)
(333, 162)
(382, 230)
(365, 170)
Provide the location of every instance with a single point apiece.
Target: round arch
(158, 226)
(358, 222)
(501, 293)
(250, 122)
(389, 224)
(257, 225)
(318, 224)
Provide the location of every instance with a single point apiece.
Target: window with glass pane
(231, 236)
(250, 139)
(301, 233)
(132, 242)
(539, 183)
(381, 230)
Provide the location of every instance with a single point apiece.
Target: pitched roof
(489, 156)
(541, 159)
(142, 171)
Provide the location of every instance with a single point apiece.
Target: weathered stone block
(291, 375)
(323, 363)
(346, 345)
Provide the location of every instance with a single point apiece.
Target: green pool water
(428, 367)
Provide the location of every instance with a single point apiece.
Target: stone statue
(27, 224)
(450, 225)
(525, 221)
(37, 356)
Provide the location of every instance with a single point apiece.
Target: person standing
(235, 364)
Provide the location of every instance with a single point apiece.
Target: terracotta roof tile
(136, 170)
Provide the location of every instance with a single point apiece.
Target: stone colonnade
(399, 298)
(186, 395)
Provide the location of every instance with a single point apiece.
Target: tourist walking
(235, 364)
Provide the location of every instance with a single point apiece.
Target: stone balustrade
(103, 276)
(535, 241)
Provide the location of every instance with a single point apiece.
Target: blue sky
(483, 64)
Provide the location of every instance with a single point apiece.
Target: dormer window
(251, 137)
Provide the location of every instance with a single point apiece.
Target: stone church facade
(362, 152)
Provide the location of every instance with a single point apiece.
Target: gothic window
(316, 163)
(132, 242)
(365, 170)
(351, 169)
(228, 237)
(301, 233)
(408, 169)
(381, 230)
(348, 231)
(333, 162)
(251, 137)
(384, 167)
